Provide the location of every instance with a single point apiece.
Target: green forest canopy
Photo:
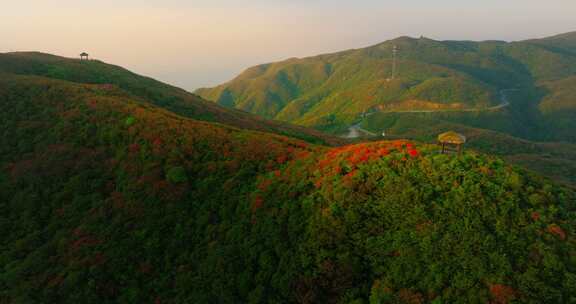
(171, 209)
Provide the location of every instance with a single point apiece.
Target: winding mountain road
(356, 131)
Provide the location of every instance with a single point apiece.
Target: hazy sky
(194, 43)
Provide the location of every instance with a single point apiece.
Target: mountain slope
(401, 223)
(563, 42)
(107, 198)
(330, 92)
(348, 83)
(97, 189)
(160, 94)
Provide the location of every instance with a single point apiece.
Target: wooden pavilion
(451, 142)
(84, 56)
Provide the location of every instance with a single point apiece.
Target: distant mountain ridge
(329, 92)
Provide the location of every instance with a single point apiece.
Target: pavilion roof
(452, 137)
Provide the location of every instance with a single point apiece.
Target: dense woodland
(105, 198)
(109, 196)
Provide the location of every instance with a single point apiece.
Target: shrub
(176, 175)
(130, 121)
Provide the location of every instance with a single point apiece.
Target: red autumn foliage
(302, 154)
(413, 152)
(106, 87)
(337, 169)
(318, 183)
(84, 241)
(410, 297)
(282, 158)
(348, 178)
(422, 227)
(264, 185)
(257, 204)
(270, 165)
(351, 157)
(502, 294)
(211, 167)
(157, 142)
(92, 103)
(556, 230)
(535, 216)
(301, 144)
(324, 163)
(350, 174)
(157, 146)
(383, 152)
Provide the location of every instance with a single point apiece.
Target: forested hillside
(153, 91)
(330, 92)
(108, 198)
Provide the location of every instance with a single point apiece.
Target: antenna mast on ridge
(394, 58)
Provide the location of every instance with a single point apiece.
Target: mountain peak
(406, 39)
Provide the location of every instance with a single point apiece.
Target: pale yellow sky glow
(201, 43)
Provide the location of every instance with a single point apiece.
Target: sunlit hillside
(331, 92)
(144, 88)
